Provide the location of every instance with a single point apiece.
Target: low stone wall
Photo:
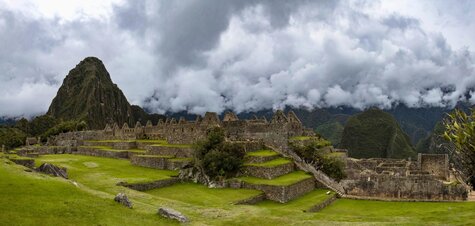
(283, 194)
(178, 152)
(98, 143)
(260, 159)
(157, 162)
(101, 153)
(150, 185)
(268, 172)
(252, 200)
(124, 145)
(27, 162)
(323, 204)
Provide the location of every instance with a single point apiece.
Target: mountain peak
(88, 94)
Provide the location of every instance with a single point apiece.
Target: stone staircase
(268, 171)
(317, 174)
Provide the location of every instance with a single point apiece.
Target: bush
(218, 158)
(11, 137)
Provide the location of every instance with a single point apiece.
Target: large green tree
(460, 131)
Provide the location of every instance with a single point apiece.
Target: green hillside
(375, 134)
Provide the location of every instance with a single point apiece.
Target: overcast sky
(242, 55)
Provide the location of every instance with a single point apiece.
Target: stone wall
(268, 172)
(424, 179)
(150, 185)
(414, 187)
(178, 152)
(283, 194)
(90, 151)
(435, 164)
(158, 162)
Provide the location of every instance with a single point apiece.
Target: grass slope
(35, 199)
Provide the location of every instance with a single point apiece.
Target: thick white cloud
(242, 55)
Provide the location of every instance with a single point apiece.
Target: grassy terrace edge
(285, 180)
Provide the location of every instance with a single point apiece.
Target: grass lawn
(99, 172)
(35, 199)
(303, 203)
(271, 163)
(200, 195)
(262, 153)
(401, 213)
(287, 179)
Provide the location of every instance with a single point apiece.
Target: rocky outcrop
(172, 214)
(123, 199)
(53, 170)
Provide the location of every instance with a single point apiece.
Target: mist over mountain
(245, 56)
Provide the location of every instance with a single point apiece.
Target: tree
(218, 159)
(460, 131)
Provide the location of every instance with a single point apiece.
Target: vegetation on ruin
(216, 157)
(300, 138)
(375, 134)
(284, 180)
(324, 160)
(460, 131)
(271, 163)
(262, 153)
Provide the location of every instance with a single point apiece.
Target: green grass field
(28, 198)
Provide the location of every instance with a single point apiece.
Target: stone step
(178, 151)
(270, 169)
(281, 189)
(261, 156)
(163, 162)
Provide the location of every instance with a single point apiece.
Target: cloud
(242, 55)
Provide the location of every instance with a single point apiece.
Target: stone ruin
(276, 132)
(427, 178)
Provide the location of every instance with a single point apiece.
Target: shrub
(218, 158)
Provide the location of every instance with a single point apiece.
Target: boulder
(53, 170)
(172, 214)
(123, 199)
